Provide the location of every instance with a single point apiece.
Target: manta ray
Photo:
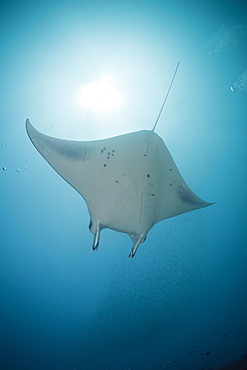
(129, 182)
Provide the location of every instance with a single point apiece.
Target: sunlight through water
(100, 95)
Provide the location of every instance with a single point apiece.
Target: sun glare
(100, 95)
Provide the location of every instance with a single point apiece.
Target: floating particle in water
(4, 168)
(18, 170)
(226, 38)
(240, 84)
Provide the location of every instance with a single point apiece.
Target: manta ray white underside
(129, 182)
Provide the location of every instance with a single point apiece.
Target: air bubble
(18, 170)
(4, 168)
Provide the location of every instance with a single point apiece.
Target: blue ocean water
(181, 302)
